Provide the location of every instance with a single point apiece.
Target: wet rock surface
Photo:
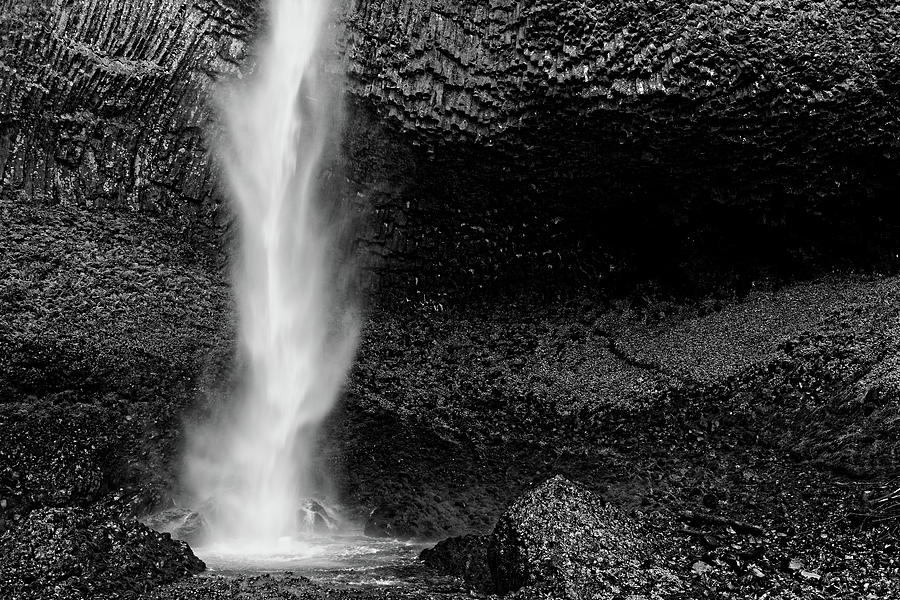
(465, 557)
(288, 586)
(73, 553)
(389, 521)
(103, 308)
(316, 518)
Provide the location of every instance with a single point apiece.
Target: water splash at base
(345, 560)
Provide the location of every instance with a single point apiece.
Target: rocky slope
(776, 408)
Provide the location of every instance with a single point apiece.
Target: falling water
(295, 330)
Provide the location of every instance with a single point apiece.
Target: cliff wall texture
(489, 138)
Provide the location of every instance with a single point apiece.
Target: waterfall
(296, 330)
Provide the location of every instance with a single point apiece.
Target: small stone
(809, 574)
(701, 567)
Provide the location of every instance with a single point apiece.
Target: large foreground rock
(72, 553)
(561, 541)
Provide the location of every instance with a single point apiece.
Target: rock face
(465, 557)
(80, 554)
(560, 540)
(388, 522)
(51, 456)
(483, 135)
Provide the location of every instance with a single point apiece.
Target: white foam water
(312, 554)
(297, 334)
(348, 560)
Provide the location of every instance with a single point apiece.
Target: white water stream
(297, 333)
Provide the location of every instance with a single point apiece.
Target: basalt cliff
(497, 139)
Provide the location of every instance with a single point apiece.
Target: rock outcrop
(315, 518)
(507, 137)
(80, 554)
(562, 540)
(181, 523)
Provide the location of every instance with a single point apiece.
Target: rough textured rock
(106, 324)
(388, 521)
(181, 523)
(99, 303)
(78, 554)
(52, 456)
(316, 518)
(490, 138)
(465, 557)
(559, 540)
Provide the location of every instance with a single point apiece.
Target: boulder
(314, 517)
(561, 541)
(181, 523)
(78, 553)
